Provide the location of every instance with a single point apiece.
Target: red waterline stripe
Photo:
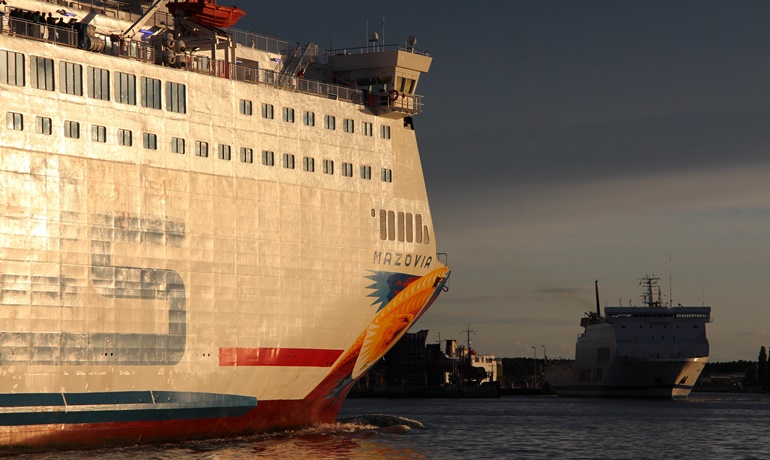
(302, 357)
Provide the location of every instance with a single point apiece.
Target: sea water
(706, 426)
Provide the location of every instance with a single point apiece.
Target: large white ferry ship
(204, 232)
(654, 350)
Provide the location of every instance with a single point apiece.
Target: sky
(569, 141)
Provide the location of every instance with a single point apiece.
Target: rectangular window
(391, 226)
(385, 132)
(99, 83)
(368, 129)
(176, 97)
(245, 107)
(71, 129)
(330, 122)
(267, 111)
(151, 93)
(150, 141)
(387, 175)
(348, 125)
(309, 119)
(366, 172)
(224, 152)
(328, 167)
(383, 224)
(400, 226)
(98, 133)
(288, 160)
(43, 125)
(268, 158)
(201, 149)
(177, 145)
(125, 88)
(288, 114)
(409, 228)
(308, 164)
(247, 155)
(125, 137)
(71, 78)
(347, 169)
(418, 228)
(11, 68)
(14, 121)
(41, 73)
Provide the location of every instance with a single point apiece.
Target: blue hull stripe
(128, 406)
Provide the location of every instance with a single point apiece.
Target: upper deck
(382, 79)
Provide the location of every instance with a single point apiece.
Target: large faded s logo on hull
(111, 282)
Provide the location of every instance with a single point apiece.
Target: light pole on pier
(534, 378)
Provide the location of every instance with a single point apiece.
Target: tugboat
(655, 351)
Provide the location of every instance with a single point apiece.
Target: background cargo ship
(203, 232)
(649, 351)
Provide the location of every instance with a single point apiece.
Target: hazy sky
(565, 142)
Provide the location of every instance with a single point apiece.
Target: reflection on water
(345, 440)
(707, 426)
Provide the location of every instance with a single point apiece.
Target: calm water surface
(707, 426)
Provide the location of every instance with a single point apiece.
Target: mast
(598, 309)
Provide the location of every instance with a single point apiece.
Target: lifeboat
(207, 12)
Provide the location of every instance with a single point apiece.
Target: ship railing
(260, 42)
(222, 69)
(61, 35)
(376, 49)
(405, 103)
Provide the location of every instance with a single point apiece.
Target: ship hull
(637, 378)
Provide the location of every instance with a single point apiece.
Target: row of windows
(402, 226)
(124, 86)
(124, 137)
(330, 121)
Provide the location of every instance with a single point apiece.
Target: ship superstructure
(654, 350)
(203, 232)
